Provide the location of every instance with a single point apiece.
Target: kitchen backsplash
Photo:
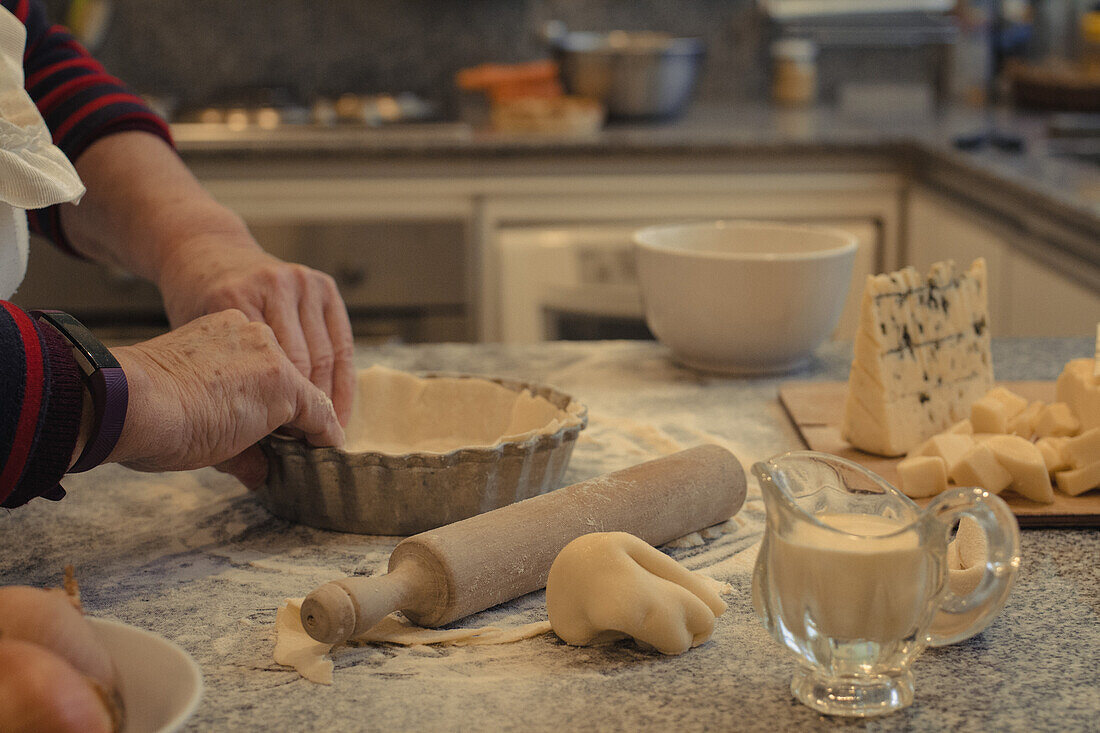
(196, 50)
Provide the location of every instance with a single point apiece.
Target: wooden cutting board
(818, 407)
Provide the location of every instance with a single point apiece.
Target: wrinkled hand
(301, 305)
(205, 393)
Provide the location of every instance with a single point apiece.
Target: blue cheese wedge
(921, 356)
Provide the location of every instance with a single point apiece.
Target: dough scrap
(399, 630)
(607, 586)
(394, 412)
(296, 648)
(966, 557)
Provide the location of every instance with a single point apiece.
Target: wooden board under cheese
(816, 409)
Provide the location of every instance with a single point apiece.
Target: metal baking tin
(385, 494)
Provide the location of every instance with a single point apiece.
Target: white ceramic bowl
(160, 683)
(743, 297)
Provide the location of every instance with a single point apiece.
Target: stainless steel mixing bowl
(635, 74)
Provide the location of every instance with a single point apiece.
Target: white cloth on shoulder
(34, 173)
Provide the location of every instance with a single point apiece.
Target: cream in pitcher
(868, 581)
(852, 578)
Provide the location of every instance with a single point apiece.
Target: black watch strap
(105, 381)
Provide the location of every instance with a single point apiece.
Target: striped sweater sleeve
(41, 396)
(79, 100)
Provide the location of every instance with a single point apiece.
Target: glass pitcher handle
(961, 617)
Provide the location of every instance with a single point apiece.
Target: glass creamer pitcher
(852, 578)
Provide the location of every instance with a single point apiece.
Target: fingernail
(335, 418)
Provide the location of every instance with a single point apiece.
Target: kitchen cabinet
(419, 251)
(485, 204)
(1034, 288)
(1037, 219)
(1044, 302)
(568, 252)
(400, 260)
(438, 231)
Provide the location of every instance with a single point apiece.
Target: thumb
(316, 417)
(249, 466)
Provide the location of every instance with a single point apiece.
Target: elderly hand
(301, 305)
(146, 213)
(205, 393)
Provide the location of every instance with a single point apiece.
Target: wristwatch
(105, 380)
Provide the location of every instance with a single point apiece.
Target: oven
(580, 281)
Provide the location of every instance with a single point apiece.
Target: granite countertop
(920, 145)
(193, 557)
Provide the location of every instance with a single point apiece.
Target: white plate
(160, 683)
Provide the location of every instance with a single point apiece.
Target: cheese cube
(996, 411)
(1079, 480)
(1023, 424)
(948, 446)
(962, 427)
(980, 467)
(1014, 403)
(1079, 387)
(989, 415)
(921, 476)
(1056, 419)
(1054, 453)
(1083, 449)
(1024, 462)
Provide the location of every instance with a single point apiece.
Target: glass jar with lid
(794, 72)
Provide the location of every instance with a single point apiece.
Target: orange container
(501, 82)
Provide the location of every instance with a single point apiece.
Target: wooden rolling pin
(446, 573)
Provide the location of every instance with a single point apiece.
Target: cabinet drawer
(380, 264)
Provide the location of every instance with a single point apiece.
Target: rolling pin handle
(343, 609)
(329, 614)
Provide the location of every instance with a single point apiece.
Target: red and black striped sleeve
(41, 396)
(79, 100)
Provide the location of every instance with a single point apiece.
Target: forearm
(144, 210)
(146, 213)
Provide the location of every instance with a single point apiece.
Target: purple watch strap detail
(106, 383)
(110, 397)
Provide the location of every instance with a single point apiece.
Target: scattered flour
(719, 553)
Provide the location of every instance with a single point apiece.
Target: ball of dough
(606, 586)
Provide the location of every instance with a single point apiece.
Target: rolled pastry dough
(606, 586)
(295, 648)
(396, 413)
